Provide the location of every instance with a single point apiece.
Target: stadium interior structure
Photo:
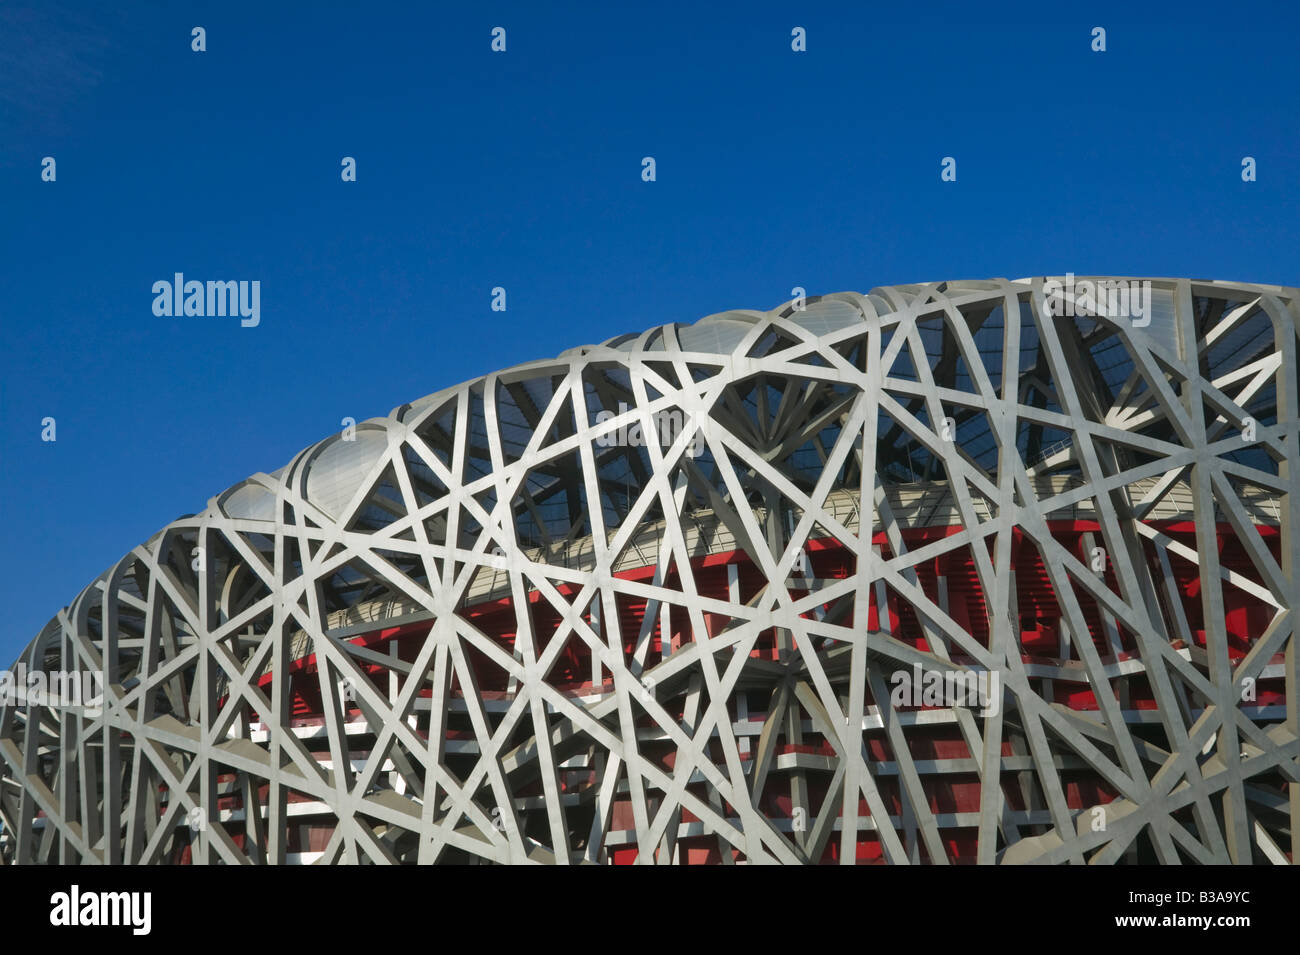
(522, 620)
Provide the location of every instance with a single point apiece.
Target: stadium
(702, 595)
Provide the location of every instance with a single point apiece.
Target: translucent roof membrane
(1164, 325)
(336, 473)
(719, 336)
(250, 502)
(826, 316)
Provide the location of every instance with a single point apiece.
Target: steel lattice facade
(654, 600)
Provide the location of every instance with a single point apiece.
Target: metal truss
(650, 601)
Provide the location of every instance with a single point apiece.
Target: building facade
(967, 572)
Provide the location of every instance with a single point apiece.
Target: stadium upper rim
(334, 465)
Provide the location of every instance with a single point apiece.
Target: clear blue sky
(522, 169)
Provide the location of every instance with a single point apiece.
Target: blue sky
(522, 170)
